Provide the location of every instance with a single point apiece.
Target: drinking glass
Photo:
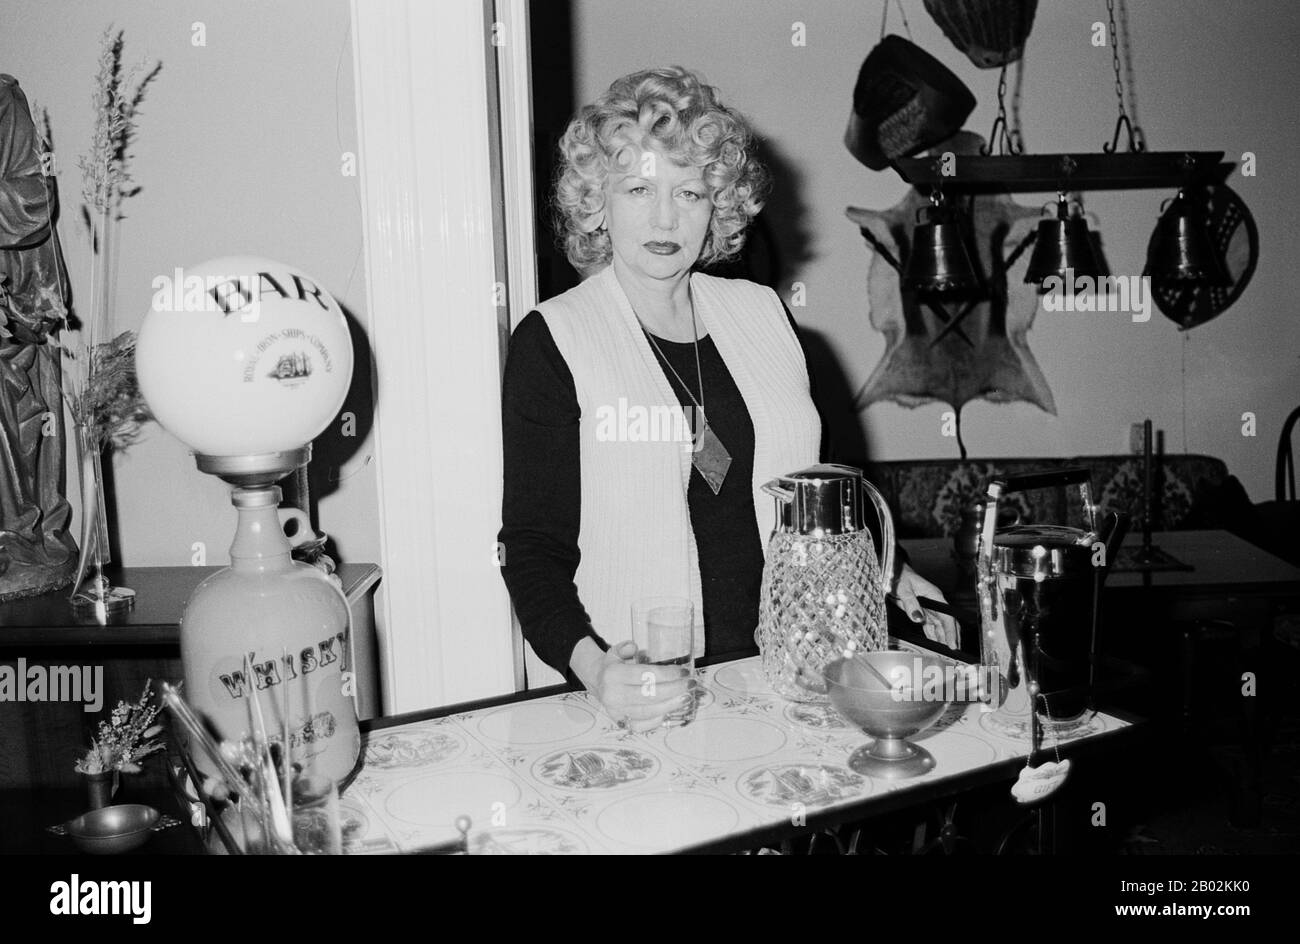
(663, 629)
(317, 829)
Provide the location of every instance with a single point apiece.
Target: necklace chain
(699, 374)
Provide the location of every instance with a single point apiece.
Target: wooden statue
(37, 551)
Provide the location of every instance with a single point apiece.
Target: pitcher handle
(886, 551)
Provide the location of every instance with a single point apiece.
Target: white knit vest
(635, 535)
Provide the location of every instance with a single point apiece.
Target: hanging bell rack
(1033, 173)
(1003, 167)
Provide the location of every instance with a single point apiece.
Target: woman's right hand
(633, 693)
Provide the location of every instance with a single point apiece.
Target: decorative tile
(821, 717)
(744, 677)
(540, 722)
(532, 841)
(955, 752)
(725, 739)
(595, 768)
(555, 775)
(410, 749)
(807, 785)
(438, 799)
(666, 820)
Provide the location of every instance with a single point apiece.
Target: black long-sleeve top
(541, 504)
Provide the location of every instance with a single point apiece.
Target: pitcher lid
(821, 499)
(1042, 551)
(827, 471)
(1048, 535)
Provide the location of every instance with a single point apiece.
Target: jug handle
(886, 537)
(302, 530)
(778, 491)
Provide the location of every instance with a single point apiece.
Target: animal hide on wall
(986, 354)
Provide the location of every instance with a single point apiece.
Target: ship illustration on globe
(292, 369)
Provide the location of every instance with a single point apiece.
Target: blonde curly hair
(675, 111)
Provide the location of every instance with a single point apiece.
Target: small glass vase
(94, 592)
(101, 787)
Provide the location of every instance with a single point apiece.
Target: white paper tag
(1034, 783)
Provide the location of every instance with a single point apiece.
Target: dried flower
(99, 377)
(111, 402)
(106, 175)
(126, 738)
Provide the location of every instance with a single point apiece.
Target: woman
(657, 178)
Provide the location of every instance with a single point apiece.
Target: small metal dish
(113, 829)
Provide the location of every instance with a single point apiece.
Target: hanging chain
(884, 18)
(1002, 140)
(907, 28)
(1134, 143)
(1114, 56)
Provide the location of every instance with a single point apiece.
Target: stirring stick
(249, 800)
(234, 782)
(286, 762)
(266, 771)
(259, 785)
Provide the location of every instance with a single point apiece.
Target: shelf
(48, 622)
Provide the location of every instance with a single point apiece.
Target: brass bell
(1181, 249)
(1063, 246)
(939, 260)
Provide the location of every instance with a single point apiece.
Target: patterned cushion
(927, 495)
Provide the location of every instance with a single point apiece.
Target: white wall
(1210, 76)
(238, 151)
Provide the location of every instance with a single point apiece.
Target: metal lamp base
(254, 471)
(96, 592)
(891, 759)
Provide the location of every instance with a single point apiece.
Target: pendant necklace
(709, 456)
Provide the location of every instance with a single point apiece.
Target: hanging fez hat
(991, 33)
(905, 101)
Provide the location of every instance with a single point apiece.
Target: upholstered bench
(927, 495)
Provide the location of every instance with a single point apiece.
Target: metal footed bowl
(887, 704)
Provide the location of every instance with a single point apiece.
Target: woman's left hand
(938, 626)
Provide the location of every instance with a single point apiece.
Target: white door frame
(425, 172)
(515, 96)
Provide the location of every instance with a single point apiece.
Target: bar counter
(554, 774)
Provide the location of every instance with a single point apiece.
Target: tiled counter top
(556, 775)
